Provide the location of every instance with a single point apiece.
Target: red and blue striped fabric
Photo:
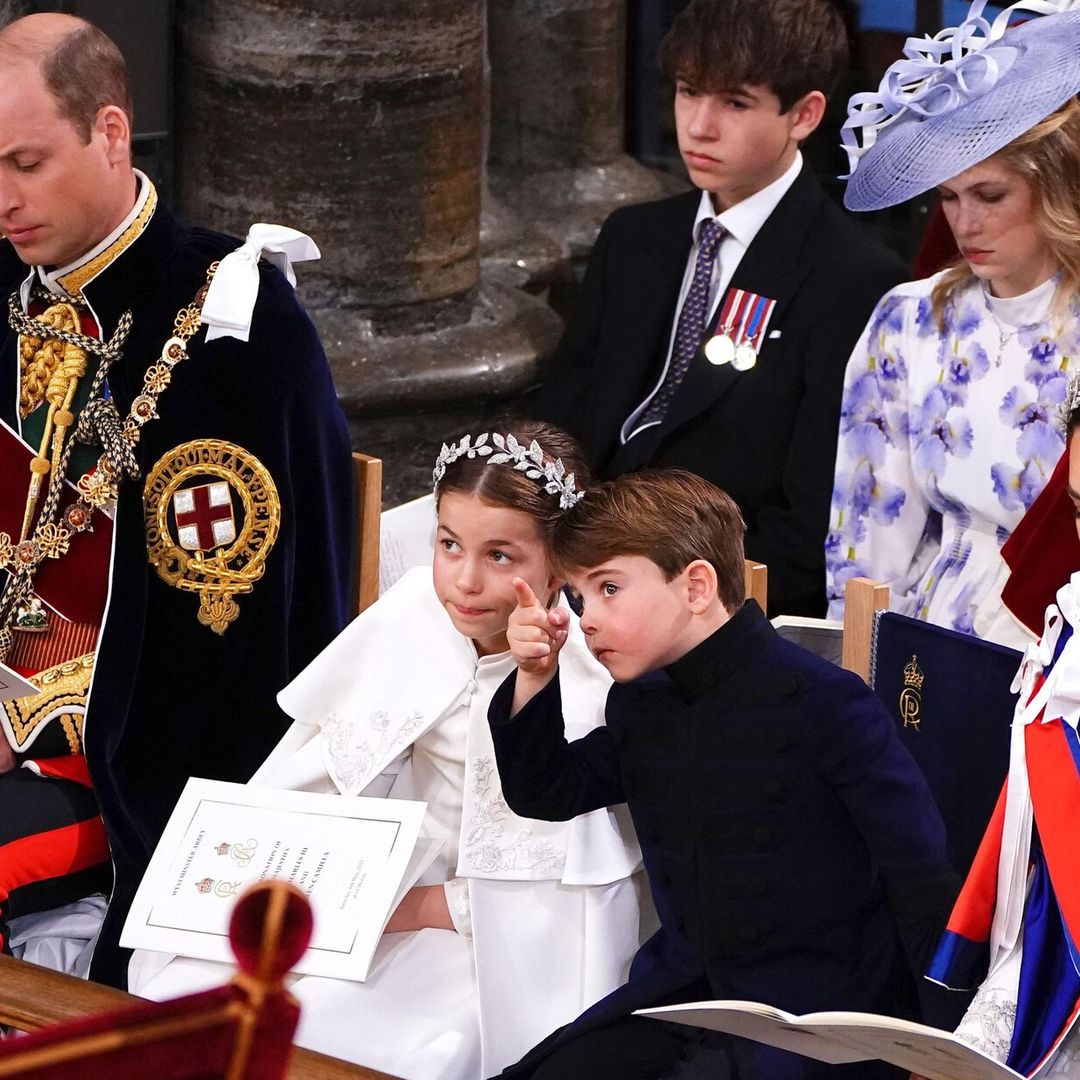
(1049, 989)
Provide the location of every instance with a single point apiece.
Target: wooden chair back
(863, 599)
(368, 472)
(756, 577)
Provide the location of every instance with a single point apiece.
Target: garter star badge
(212, 517)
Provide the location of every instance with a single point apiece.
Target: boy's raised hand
(535, 636)
(534, 633)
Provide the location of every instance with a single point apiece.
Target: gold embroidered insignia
(63, 692)
(212, 517)
(911, 695)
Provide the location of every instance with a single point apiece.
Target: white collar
(1026, 309)
(744, 220)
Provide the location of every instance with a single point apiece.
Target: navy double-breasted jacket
(792, 847)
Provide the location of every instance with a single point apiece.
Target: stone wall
(12, 9)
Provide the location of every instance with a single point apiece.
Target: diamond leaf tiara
(506, 450)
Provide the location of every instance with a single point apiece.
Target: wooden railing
(32, 997)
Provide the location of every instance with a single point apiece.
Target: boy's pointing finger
(525, 596)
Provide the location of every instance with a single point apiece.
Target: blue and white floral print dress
(946, 438)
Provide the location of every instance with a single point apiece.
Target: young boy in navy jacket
(793, 849)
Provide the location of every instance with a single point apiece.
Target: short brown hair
(503, 485)
(790, 46)
(85, 72)
(670, 516)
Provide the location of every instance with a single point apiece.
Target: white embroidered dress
(546, 912)
(946, 438)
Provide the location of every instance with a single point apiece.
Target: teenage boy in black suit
(631, 379)
(793, 849)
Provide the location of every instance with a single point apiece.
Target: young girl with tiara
(519, 924)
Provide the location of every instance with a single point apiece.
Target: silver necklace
(1003, 334)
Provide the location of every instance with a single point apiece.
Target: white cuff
(231, 297)
(457, 902)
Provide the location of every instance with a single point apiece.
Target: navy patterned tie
(691, 322)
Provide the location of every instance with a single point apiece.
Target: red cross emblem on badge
(204, 517)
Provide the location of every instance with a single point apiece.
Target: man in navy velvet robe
(230, 553)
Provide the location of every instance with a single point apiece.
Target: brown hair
(1047, 158)
(82, 69)
(790, 46)
(503, 485)
(670, 516)
(85, 72)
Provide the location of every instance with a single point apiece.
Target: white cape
(554, 906)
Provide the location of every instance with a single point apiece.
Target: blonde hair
(1047, 158)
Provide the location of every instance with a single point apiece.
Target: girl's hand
(423, 907)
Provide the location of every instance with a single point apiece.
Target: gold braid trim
(64, 685)
(73, 729)
(40, 359)
(73, 283)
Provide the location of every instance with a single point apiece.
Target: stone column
(360, 121)
(557, 116)
(13, 9)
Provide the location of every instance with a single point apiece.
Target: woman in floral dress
(947, 430)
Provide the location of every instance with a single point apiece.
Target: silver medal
(720, 350)
(745, 357)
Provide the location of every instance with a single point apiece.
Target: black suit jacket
(766, 436)
(793, 849)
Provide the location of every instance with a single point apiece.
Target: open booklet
(843, 1037)
(406, 539)
(353, 858)
(13, 685)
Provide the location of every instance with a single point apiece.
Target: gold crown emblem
(913, 674)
